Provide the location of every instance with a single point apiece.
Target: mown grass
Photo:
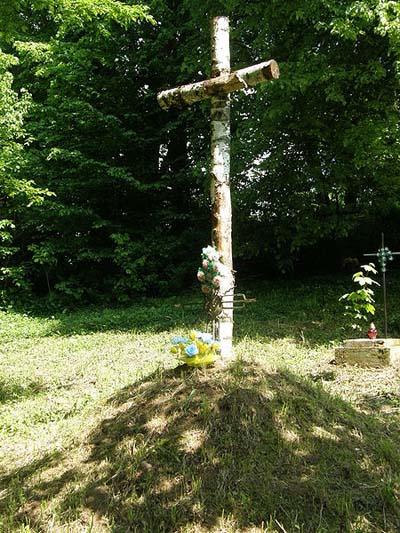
(102, 431)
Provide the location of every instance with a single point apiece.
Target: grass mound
(100, 431)
(239, 449)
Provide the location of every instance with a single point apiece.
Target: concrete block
(369, 353)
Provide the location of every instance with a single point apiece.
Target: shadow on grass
(233, 449)
(11, 391)
(386, 402)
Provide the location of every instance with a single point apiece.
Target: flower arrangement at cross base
(211, 275)
(199, 349)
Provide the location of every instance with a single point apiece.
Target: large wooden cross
(217, 88)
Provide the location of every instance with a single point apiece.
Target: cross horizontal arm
(220, 85)
(373, 255)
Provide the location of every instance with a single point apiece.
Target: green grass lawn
(102, 431)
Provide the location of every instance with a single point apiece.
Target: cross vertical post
(221, 232)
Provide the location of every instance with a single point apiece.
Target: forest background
(105, 196)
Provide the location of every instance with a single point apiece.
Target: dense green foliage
(360, 303)
(104, 193)
(18, 192)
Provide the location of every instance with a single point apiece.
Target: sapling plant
(360, 303)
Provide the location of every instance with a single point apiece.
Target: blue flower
(191, 350)
(207, 338)
(180, 340)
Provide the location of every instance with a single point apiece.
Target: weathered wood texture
(221, 229)
(369, 353)
(220, 85)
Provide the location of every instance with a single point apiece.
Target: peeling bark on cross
(221, 231)
(224, 84)
(218, 88)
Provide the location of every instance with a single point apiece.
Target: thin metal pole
(385, 302)
(384, 288)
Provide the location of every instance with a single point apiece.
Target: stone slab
(376, 353)
(368, 343)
